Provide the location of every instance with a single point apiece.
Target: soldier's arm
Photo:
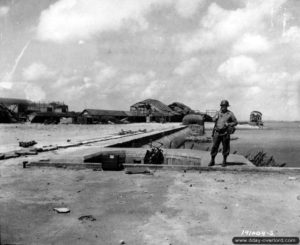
(233, 121)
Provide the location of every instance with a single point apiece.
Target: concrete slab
(174, 158)
(104, 141)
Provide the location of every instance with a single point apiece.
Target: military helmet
(224, 103)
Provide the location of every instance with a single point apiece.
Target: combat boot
(224, 163)
(211, 163)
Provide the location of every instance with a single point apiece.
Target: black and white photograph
(149, 122)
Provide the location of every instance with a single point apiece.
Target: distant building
(256, 118)
(156, 110)
(56, 107)
(52, 117)
(23, 110)
(93, 116)
(15, 105)
(180, 108)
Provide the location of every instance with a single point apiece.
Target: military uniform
(224, 124)
(221, 133)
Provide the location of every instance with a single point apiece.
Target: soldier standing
(225, 122)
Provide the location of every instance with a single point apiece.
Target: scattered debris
(27, 143)
(292, 178)
(124, 132)
(62, 210)
(98, 169)
(124, 121)
(138, 170)
(45, 160)
(24, 152)
(11, 154)
(87, 218)
(24, 164)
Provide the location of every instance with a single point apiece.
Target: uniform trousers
(217, 139)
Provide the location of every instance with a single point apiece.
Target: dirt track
(164, 208)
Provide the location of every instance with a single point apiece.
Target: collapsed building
(155, 110)
(180, 108)
(56, 107)
(21, 110)
(49, 112)
(6, 115)
(13, 110)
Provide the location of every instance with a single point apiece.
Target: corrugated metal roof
(180, 107)
(133, 114)
(158, 105)
(11, 101)
(256, 112)
(52, 114)
(95, 112)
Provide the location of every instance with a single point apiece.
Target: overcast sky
(109, 54)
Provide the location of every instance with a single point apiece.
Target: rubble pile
(27, 144)
(124, 132)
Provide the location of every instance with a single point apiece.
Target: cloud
(81, 19)
(188, 8)
(252, 43)
(292, 35)
(68, 20)
(37, 71)
(228, 50)
(103, 71)
(6, 85)
(253, 86)
(6, 82)
(154, 89)
(34, 93)
(4, 10)
(238, 66)
(220, 27)
(277, 94)
(187, 66)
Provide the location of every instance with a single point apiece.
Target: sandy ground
(11, 134)
(169, 207)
